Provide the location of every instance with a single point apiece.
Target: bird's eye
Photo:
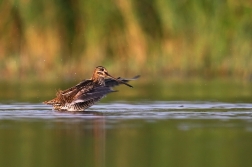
(99, 73)
(101, 69)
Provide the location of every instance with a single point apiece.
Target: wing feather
(97, 92)
(111, 82)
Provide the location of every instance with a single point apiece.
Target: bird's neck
(98, 80)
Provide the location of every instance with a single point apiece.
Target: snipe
(87, 92)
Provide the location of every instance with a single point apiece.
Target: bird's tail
(51, 102)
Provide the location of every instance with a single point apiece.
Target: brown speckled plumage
(87, 92)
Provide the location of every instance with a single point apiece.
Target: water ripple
(148, 110)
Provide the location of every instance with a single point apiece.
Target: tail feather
(56, 100)
(51, 102)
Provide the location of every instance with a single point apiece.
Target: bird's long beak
(118, 80)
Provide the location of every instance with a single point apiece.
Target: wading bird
(87, 92)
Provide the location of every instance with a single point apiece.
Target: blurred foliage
(56, 39)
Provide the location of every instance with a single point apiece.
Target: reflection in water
(31, 138)
(156, 89)
(149, 134)
(90, 133)
(99, 143)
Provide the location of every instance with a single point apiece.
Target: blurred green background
(185, 50)
(64, 40)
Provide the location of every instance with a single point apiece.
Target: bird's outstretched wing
(69, 94)
(96, 92)
(111, 82)
(79, 86)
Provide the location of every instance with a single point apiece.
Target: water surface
(157, 123)
(149, 133)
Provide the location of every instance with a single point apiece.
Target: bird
(87, 92)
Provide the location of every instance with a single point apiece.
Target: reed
(55, 39)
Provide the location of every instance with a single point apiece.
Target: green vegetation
(55, 39)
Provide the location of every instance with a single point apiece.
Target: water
(147, 133)
(171, 123)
